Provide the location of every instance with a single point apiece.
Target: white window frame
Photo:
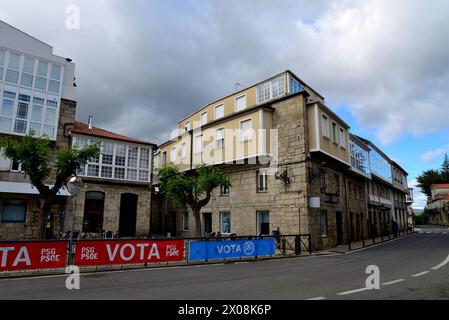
(325, 125)
(222, 214)
(183, 151)
(196, 144)
(19, 169)
(244, 136)
(139, 173)
(268, 85)
(203, 122)
(264, 174)
(222, 139)
(173, 154)
(334, 125)
(215, 111)
(243, 96)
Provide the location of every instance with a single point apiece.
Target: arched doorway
(93, 211)
(128, 215)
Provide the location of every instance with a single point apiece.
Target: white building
(37, 92)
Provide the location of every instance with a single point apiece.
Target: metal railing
(284, 246)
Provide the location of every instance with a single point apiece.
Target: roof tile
(82, 128)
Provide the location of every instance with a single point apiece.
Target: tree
(444, 171)
(426, 179)
(34, 154)
(193, 188)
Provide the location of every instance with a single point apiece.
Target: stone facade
(286, 204)
(331, 192)
(112, 202)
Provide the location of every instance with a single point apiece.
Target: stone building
(37, 92)
(116, 186)
(293, 166)
(438, 205)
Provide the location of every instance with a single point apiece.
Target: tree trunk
(45, 213)
(197, 217)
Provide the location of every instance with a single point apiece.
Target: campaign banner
(110, 252)
(32, 255)
(215, 250)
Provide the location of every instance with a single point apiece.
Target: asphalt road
(414, 267)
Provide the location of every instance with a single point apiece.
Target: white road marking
(392, 282)
(317, 298)
(442, 264)
(352, 291)
(428, 232)
(420, 274)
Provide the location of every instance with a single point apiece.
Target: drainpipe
(191, 149)
(348, 224)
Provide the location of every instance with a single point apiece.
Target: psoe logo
(248, 248)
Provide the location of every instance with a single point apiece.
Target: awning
(26, 188)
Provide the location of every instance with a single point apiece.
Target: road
(414, 267)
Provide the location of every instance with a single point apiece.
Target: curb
(117, 268)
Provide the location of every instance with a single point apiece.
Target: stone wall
(287, 204)
(31, 228)
(113, 193)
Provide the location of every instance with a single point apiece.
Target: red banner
(109, 252)
(32, 255)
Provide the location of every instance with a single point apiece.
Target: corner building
(287, 155)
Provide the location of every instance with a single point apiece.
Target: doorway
(93, 212)
(128, 215)
(171, 223)
(339, 222)
(207, 223)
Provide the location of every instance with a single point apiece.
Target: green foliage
(420, 219)
(34, 155)
(70, 160)
(426, 179)
(429, 177)
(444, 171)
(189, 187)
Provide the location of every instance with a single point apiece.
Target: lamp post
(73, 186)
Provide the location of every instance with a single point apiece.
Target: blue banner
(215, 250)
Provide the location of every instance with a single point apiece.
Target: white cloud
(386, 60)
(419, 198)
(367, 55)
(429, 156)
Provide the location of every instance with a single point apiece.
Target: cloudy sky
(142, 65)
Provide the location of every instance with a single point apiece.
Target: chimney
(90, 121)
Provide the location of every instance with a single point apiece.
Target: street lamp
(73, 186)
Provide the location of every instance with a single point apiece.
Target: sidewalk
(344, 248)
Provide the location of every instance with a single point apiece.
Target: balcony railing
(379, 201)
